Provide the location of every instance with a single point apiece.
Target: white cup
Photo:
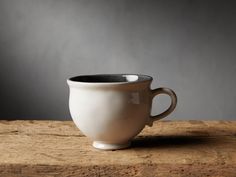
(111, 109)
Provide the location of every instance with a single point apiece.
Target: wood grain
(169, 148)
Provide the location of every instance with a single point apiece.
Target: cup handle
(171, 108)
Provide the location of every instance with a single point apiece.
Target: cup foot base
(107, 146)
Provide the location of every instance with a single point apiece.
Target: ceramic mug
(111, 109)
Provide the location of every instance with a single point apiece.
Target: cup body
(110, 109)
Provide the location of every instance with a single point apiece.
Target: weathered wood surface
(169, 148)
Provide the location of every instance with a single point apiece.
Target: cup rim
(131, 79)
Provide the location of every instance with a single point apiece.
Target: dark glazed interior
(110, 78)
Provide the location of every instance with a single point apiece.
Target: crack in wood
(52, 157)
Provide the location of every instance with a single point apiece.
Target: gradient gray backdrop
(189, 46)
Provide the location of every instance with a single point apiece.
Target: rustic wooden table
(169, 148)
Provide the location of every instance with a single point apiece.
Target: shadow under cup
(111, 109)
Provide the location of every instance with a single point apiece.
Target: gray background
(189, 46)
